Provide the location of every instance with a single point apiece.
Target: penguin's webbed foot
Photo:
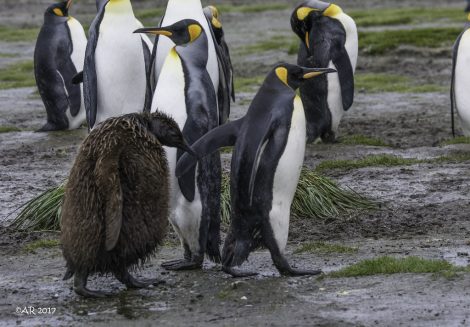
(299, 272)
(131, 282)
(182, 264)
(79, 286)
(238, 273)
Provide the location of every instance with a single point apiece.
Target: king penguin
(185, 91)
(58, 55)
(269, 146)
(328, 39)
(177, 10)
(117, 64)
(459, 95)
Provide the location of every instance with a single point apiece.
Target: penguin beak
(69, 3)
(314, 72)
(155, 31)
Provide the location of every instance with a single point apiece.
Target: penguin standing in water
(269, 146)
(185, 91)
(328, 39)
(117, 64)
(59, 54)
(459, 95)
(177, 10)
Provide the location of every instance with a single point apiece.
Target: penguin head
(181, 33)
(212, 13)
(60, 9)
(302, 16)
(167, 131)
(293, 75)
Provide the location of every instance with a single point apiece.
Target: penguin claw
(181, 264)
(237, 273)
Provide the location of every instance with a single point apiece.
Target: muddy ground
(425, 209)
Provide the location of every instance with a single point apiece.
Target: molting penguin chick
(269, 145)
(328, 39)
(459, 95)
(185, 91)
(58, 55)
(115, 209)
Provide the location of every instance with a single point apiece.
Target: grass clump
(377, 43)
(368, 161)
(247, 84)
(42, 212)
(41, 244)
(376, 83)
(15, 34)
(358, 139)
(8, 129)
(388, 265)
(324, 248)
(406, 16)
(288, 44)
(457, 140)
(17, 75)
(255, 8)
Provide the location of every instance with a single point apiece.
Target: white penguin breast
(169, 97)
(120, 67)
(287, 176)
(462, 82)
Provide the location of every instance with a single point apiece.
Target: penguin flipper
(224, 135)
(346, 77)
(148, 67)
(78, 78)
(109, 185)
(68, 72)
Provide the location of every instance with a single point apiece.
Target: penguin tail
(68, 274)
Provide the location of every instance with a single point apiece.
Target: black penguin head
(166, 130)
(302, 16)
(212, 13)
(293, 75)
(182, 32)
(60, 9)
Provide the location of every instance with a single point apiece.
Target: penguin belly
(335, 100)
(462, 83)
(79, 41)
(169, 98)
(120, 68)
(287, 175)
(187, 9)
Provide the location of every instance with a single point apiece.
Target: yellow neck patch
(194, 32)
(303, 12)
(215, 22)
(332, 11)
(215, 12)
(58, 12)
(281, 73)
(468, 17)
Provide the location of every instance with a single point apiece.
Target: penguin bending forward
(185, 91)
(459, 95)
(58, 56)
(115, 209)
(328, 38)
(269, 145)
(117, 64)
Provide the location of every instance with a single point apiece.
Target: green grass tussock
(255, 8)
(378, 43)
(8, 129)
(324, 248)
(362, 140)
(247, 84)
(368, 161)
(15, 34)
(457, 140)
(376, 83)
(16, 75)
(388, 265)
(41, 244)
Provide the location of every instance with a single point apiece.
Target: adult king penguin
(185, 91)
(117, 64)
(266, 163)
(177, 10)
(328, 39)
(459, 95)
(59, 54)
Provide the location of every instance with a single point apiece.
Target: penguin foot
(299, 272)
(79, 286)
(182, 264)
(238, 273)
(132, 282)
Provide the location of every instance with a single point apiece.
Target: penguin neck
(194, 54)
(119, 7)
(50, 18)
(273, 85)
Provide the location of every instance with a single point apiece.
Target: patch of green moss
(150, 16)
(275, 43)
(17, 75)
(457, 140)
(324, 248)
(8, 129)
(362, 140)
(452, 158)
(406, 16)
(389, 265)
(377, 43)
(247, 84)
(385, 160)
(376, 83)
(255, 8)
(8, 55)
(15, 34)
(41, 244)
